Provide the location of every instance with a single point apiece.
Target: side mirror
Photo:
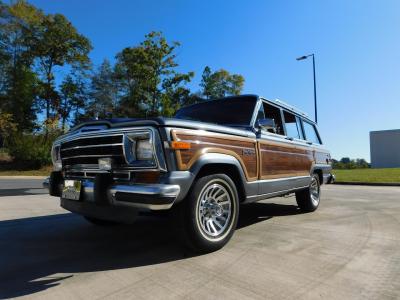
(267, 125)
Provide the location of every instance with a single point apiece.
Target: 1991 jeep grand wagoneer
(206, 161)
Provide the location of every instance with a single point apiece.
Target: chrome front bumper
(145, 196)
(149, 196)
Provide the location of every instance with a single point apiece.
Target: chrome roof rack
(288, 107)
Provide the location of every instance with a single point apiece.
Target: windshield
(236, 111)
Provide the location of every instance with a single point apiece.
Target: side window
(272, 112)
(311, 133)
(260, 114)
(293, 127)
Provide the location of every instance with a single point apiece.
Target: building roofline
(382, 131)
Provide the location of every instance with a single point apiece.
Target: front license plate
(72, 189)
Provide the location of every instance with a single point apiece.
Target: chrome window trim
(255, 113)
(282, 139)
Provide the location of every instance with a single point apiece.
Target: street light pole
(315, 89)
(315, 83)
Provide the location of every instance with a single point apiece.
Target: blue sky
(356, 43)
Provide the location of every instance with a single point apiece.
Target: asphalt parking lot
(348, 249)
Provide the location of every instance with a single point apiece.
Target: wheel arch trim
(215, 159)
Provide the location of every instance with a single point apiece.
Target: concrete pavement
(348, 249)
(21, 186)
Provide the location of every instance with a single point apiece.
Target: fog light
(57, 166)
(105, 163)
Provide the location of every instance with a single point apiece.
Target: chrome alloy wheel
(314, 191)
(214, 209)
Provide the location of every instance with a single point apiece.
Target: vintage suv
(203, 163)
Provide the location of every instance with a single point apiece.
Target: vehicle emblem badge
(248, 152)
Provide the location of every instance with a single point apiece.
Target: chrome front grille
(87, 150)
(80, 152)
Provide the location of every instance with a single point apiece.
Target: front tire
(308, 199)
(210, 213)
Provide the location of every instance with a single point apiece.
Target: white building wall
(385, 148)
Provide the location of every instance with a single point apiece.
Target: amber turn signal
(180, 145)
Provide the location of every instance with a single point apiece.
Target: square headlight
(144, 150)
(139, 148)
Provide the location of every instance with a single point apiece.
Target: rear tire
(308, 199)
(210, 213)
(99, 222)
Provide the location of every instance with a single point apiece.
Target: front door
(284, 161)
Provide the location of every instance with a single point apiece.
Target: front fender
(216, 158)
(210, 159)
(185, 179)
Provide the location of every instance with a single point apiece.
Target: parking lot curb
(369, 183)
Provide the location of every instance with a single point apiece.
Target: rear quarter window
(311, 134)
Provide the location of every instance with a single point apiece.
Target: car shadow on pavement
(38, 253)
(22, 192)
(258, 212)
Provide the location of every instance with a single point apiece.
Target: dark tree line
(47, 81)
(347, 163)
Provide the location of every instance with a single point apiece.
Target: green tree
(103, 92)
(150, 83)
(4, 57)
(345, 160)
(361, 163)
(131, 75)
(18, 84)
(73, 98)
(7, 127)
(55, 42)
(347, 163)
(220, 83)
(175, 94)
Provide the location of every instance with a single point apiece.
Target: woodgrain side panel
(279, 160)
(262, 159)
(244, 149)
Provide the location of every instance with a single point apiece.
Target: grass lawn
(368, 175)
